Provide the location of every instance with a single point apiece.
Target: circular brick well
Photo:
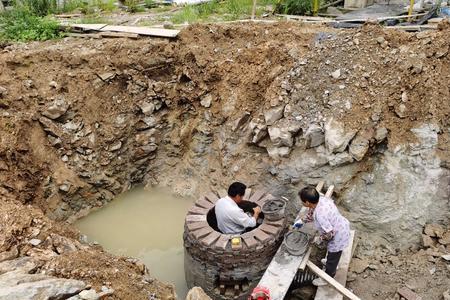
(211, 263)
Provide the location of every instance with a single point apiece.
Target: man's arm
(240, 217)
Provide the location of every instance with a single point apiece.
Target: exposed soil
(156, 111)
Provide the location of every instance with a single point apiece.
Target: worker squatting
(334, 229)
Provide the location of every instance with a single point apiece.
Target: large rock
(314, 136)
(337, 137)
(197, 293)
(340, 159)
(273, 115)
(277, 152)
(56, 109)
(434, 230)
(280, 136)
(20, 285)
(359, 145)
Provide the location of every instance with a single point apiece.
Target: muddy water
(147, 224)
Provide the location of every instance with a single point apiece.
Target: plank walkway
(328, 292)
(158, 32)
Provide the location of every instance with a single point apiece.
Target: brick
(261, 235)
(202, 232)
(250, 241)
(211, 197)
(197, 211)
(204, 203)
(211, 238)
(196, 225)
(279, 223)
(195, 218)
(222, 242)
(408, 294)
(222, 193)
(269, 228)
(257, 196)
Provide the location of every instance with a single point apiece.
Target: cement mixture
(277, 106)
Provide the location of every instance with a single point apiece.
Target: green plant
(37, 7)
(150, 3)
(71, 5)
(20, 24)
(295, 7)
(239, 7)
(133, 6)
(108, 5)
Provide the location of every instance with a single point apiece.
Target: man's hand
(256, 212)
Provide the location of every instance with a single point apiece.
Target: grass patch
(92, 20)
(22, 25)
(214, 10)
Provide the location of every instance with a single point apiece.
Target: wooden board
(339, 287)
(374, 12)
(87, 27)
(328, 292)
(170, 33)
(280, 273)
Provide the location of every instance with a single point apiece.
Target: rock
(168, 25)
(24, 263)
(273, 115)
(400, 110)
(116, 146)
(63, 244)
(445, 240)
(381, 134)
(336, 74)
(259, 131)
(197, 293)
(446, 257)
(206, 101)
(314, 136)
(427, 241)
(106, 76)
(241, 121)
(280, 136)
(434, 230)
(277, 152)
(380, 40)
(358, 147)
(146, 137)
(144, 151)
(9, 255)
(336, 137)
(56, 109)
(88, 295)
(446, 295)
(35, 242)
(147, 108)
(53, 84)
(340, 159)
(18, 285)
(404, 96)
(358, 265)
(146, 123)
(3, 92)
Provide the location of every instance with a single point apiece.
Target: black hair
(236, 188)
(309, 194)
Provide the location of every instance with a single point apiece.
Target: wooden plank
(339, 287)
(305, 259)
(280, 273)
(119, 35)
(84, 35)
(329, 192)
(257, 195)
(328, 292)
(414, 27)
(408, 294)
(319, 186)
(160, 32)
(247, 194)
(96, 27)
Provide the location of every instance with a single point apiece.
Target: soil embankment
(278, 106)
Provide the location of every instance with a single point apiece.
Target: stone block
(408, 294)
(257, 196)
(197, 211)
(261, 235)
(203, 203)
(269, 229)
(196, 225)
(198, 234)
(212, 197)
(210, 239)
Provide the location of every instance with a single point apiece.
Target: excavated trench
(275, 106)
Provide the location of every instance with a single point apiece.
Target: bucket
(274, 209)
(296, 242)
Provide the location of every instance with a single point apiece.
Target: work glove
(298, 224)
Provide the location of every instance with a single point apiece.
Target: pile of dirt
(84, 120)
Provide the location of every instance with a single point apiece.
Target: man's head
(236, 191)
(309, 196)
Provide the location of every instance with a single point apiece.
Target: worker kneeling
(231, 219)
(333, 228)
